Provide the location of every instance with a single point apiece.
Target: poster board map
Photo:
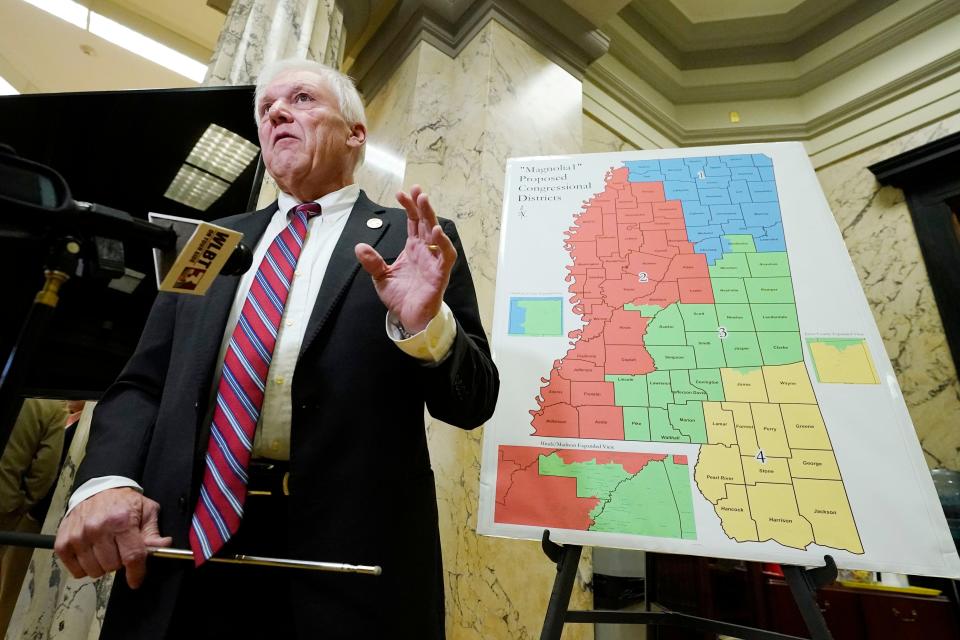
(689, 365)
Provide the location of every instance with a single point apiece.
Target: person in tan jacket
(28, 470)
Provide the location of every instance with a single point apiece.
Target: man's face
(307, 144)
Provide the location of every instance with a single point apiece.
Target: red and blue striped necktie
(240, 392)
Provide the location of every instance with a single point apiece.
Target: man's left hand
(412, 287)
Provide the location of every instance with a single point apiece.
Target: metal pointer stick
(39, 541)
(315, 565)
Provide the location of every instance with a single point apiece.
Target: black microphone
(37, 204)
(239, 261)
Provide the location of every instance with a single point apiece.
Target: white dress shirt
(272, 438)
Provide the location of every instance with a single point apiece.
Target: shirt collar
(333, 204)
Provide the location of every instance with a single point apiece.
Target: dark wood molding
(930, 179)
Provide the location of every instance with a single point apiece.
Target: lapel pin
(374, 223)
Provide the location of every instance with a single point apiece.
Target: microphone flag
(200, 252)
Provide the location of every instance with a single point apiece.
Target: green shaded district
(660, 428)
(707, 349)
(735, 317)
(837, 343)
(769, 290)
(629, 391)
(666, 406)
(542, 317)
(740, 243)
(728, 290)
(665, 328)
(775, 317)
(698, 317)
(710, 382)
(741, 349)
(673, 357)
(731, 265)
(636, 423)
(688, 420)
(656, 502)
(593, 480)
(661, 391)
(780, 347)
(683, 391)
(769, 265)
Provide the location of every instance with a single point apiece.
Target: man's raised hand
(412, 287)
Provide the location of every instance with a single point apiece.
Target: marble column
(455, 122)
(259, 31)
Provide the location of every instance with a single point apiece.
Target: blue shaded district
(518, 317)
(721, 196)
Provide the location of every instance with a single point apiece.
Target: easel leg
(567, 558)
(804, 584)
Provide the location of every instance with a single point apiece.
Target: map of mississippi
(679, 272)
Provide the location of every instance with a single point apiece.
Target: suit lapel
(343, 266)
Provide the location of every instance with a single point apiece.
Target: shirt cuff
(93, 486)
(433, 343)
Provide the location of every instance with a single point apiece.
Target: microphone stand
(61, 262)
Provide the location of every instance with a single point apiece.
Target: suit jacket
(361, 484)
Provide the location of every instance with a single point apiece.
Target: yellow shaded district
(743, 425)
(789, 383)
(774, 508)
(717, 467)
(804, 426)
(743, 385)
(792, 493)
(719, 424)
(735, 516)
(820, 465)
(771, 434)
(843, 361)
(824, 503)
(771, 470)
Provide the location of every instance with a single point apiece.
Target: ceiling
(797, 67)
(42, 53)
(669, 43)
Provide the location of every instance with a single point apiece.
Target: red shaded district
(526, 497)
(629, 246)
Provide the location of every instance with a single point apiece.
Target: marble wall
(455, 122)
(259, 31)
(598, 138)
(876, 226)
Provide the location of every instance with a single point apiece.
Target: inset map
(536, 316)
(636, 493)
(842, 361)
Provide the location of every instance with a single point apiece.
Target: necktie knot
(308, 209)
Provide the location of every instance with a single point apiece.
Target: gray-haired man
(290, 381)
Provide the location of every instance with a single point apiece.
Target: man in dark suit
(339, 442)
